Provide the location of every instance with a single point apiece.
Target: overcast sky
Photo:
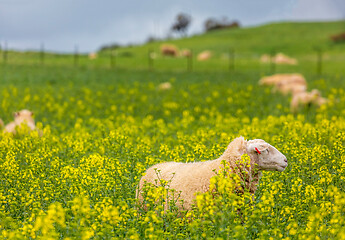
(63, 24)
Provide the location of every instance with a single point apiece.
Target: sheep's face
(268, 157)
(23, 115)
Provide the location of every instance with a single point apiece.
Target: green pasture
(234, 49)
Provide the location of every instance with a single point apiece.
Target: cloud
(61, 24)
(318, 10)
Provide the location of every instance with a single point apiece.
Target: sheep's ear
(16, 114)
(257, 147)
(32, 113)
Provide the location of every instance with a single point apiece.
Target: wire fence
(231, 60)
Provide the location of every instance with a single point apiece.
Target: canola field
(101, 130)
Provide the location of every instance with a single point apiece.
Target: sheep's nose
(285, 160)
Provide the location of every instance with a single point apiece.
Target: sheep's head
(315, 93)
(23, 115)
(266, 156)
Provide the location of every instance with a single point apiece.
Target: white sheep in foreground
(22, 117)
(192, 178)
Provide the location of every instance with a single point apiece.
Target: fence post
(231, 59)
(190, 61)
(272, 61)
(76, 56)
(319, 61)
(113, 58)
(150, 59)
(4, 53)
(42, 54)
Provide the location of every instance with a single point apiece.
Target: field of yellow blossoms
(101, 131)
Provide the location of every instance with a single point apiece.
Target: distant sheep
(279, 58)
(306, 99)
(192, 178)
(186, 53)
(92, 56)
(164, 86)
(205, 55)
(280, 78)
(22, 117)
(169, 50)
(265, 58)
(339, 37)
(290, 87)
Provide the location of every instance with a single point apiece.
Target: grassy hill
(289, 37)
(296, 39)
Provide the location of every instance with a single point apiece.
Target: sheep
(92, 56)
(339, 37)
(169, 50)
(286, 87)
(164, 86)
(282, 78)
(205, 55)
(265, 58)
(186, 53)
(279, 58)
(191, 178)
(22, 117)
(306, 99)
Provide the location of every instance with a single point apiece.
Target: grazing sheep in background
(290, 87)
(265, 58)
(22, 117)
(275, 79)
(306, 99)
(164, 86)
(338, 38)
(92, 56)
(186, 53)
(205, 55)
(169, 50)
(271, 80)
(279, 58)
(192, 178)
